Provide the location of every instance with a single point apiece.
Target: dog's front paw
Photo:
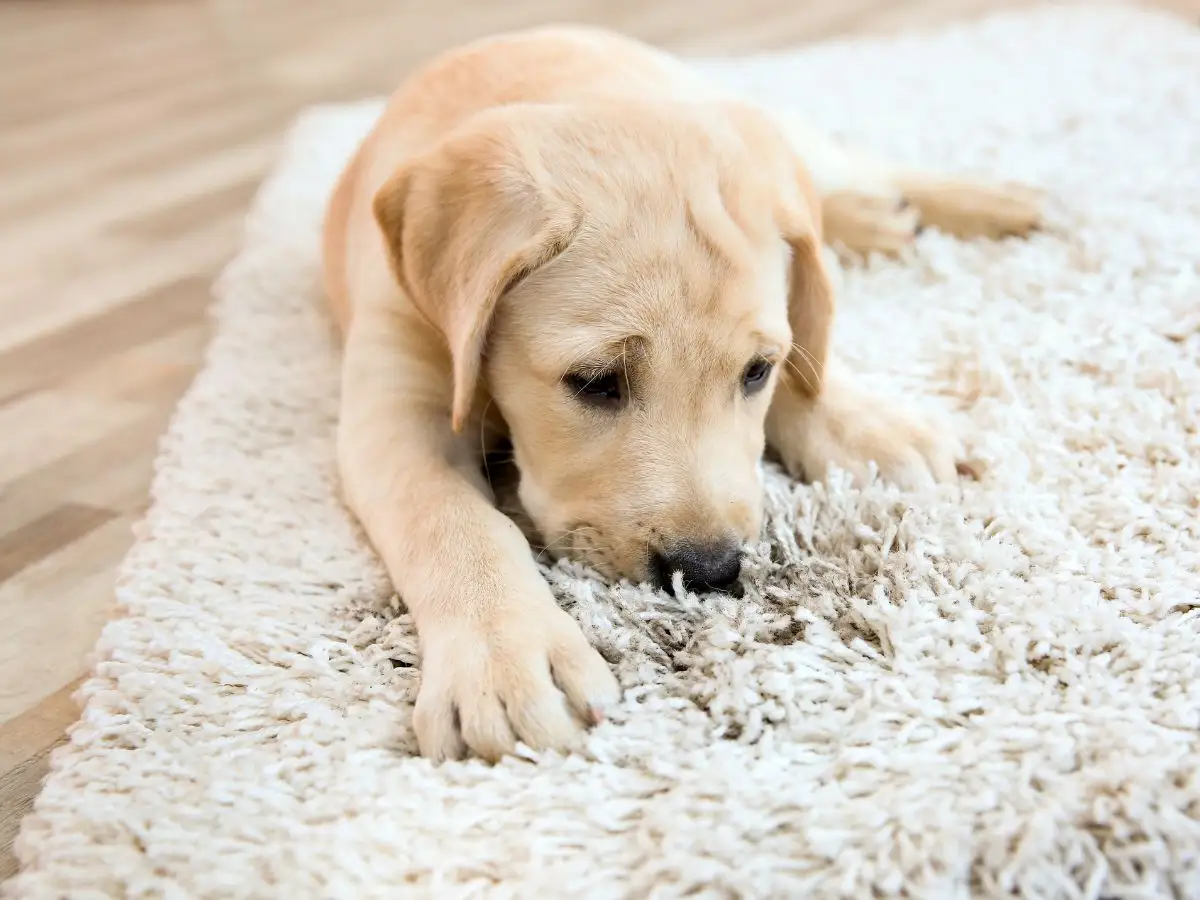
(525, 674)
(849, 429)
(907, 449)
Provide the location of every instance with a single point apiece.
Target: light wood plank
(59, 603)
(25, 746)
(34, 541)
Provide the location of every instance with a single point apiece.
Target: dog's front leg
(501, 662)
(844, 425)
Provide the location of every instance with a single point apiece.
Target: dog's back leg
(968, 208)
(871, 205)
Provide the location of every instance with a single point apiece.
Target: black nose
(713, 566)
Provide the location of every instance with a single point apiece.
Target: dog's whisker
(589, 358)
(589, 355)
(808, 382)
(796, 370)
(483, 440)
(565, 536)
(807, 356)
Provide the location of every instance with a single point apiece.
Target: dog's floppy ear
(811, 298)
(463, 224)
(783, 183)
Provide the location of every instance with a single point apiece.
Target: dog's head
(628, 285)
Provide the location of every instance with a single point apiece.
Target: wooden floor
(132, 137)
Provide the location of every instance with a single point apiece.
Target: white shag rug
(991, 692)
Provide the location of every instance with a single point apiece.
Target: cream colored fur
(560, 204)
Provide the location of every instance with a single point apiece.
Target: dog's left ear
(782, 183)
(463, 224)
(811, 298)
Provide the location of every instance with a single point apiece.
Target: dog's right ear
(463, 224)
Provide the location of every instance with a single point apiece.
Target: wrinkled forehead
(673, 298)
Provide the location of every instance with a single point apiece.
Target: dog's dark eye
(603, 389)
(754, 377)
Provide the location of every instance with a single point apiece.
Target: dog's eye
(595, 389)
(754, 377)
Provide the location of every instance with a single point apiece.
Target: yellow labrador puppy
(568, 240)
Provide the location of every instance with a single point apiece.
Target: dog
(569, 240)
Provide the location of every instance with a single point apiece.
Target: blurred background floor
(133, 134)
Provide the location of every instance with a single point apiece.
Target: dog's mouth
(581, 541)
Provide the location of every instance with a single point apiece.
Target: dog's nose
(713, 566)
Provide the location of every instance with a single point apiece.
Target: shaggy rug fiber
(983, 691)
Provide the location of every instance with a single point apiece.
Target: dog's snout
(711, 566)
